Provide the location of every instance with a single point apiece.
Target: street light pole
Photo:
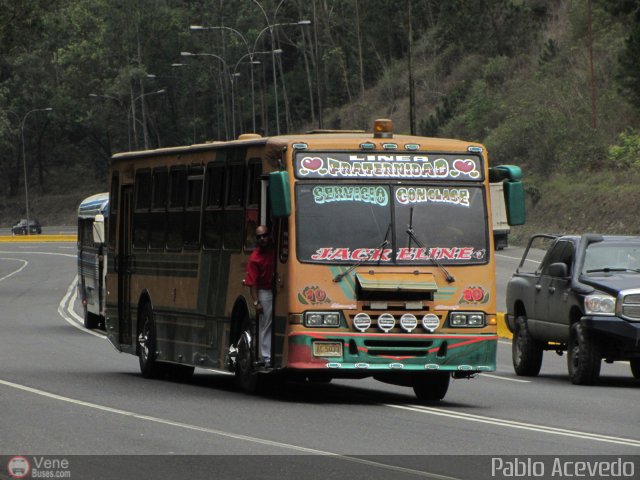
(274, 51)
(24, 162)
(250, 53)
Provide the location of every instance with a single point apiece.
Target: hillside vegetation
(550, 85)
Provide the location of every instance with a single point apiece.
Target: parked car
(584, 298)
(20, 227)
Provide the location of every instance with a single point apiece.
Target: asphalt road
(66, 394)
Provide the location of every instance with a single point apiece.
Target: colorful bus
(383, 248)
(92, 258)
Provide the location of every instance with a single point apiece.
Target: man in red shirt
(259, 278)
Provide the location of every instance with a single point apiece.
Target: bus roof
(316, 140)
(93, 205)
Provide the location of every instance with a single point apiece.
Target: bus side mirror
(511, 176)
(279, 194)
(514, 200)
(98, 229)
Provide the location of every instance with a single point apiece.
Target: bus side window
(175, 217)
(141, 209)
(252, 212)
(194, 207)
(157, 235)
(234, 208)
(213, 213)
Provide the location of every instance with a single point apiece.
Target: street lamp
(250, 53)
(275, 51)
(227, 73)
(24, 161)
(144, 118)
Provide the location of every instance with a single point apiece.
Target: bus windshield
(347, 223)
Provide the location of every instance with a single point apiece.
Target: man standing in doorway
(259, 279)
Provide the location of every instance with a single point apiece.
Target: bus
(383, 249)
(92, 258)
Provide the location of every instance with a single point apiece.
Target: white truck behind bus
(501, 227)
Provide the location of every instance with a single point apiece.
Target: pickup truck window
(562, 252)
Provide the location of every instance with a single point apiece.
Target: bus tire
(431, 387)
(149, 366)
(91, 320)
(246, 377)
(526, 351)
(583, 359)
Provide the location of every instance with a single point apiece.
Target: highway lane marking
(499, 377)
(65, 309)
(517, 425)
(516, 258)
(24, 264)
(222, 433)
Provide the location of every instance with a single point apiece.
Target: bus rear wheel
(431, 387)
(149, 366)
(246, 377)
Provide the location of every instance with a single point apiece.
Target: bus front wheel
(431, 387)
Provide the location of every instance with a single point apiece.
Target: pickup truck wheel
(526, 351)
(584, 358)
(635, 367)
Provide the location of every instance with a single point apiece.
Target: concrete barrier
(38, 238)
(503, 330)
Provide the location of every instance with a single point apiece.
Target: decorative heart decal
(312, 163)
(464, 166)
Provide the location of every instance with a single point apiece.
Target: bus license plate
(327, 349)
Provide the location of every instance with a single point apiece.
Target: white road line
(499, 377)
(515, 258)
(222, 433)
(65, 309)
(24, 264)
(517, 425)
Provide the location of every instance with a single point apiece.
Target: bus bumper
(447, 352)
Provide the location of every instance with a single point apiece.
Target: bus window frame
(179, 209)
(210, 208)
(141, 212)
(233, 208)
(159, 210)
(195, 173)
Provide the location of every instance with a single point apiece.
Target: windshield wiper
(383, 244)
(613, 269)
(412, 236)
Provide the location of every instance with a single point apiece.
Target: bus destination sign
(388, 165)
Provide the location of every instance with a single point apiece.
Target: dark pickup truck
(583, 298)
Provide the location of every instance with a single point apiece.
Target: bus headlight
(467, 319)
(321, 319)
(599, 305)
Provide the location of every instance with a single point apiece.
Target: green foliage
(625, 153)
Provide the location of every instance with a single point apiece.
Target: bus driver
(260, 269)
